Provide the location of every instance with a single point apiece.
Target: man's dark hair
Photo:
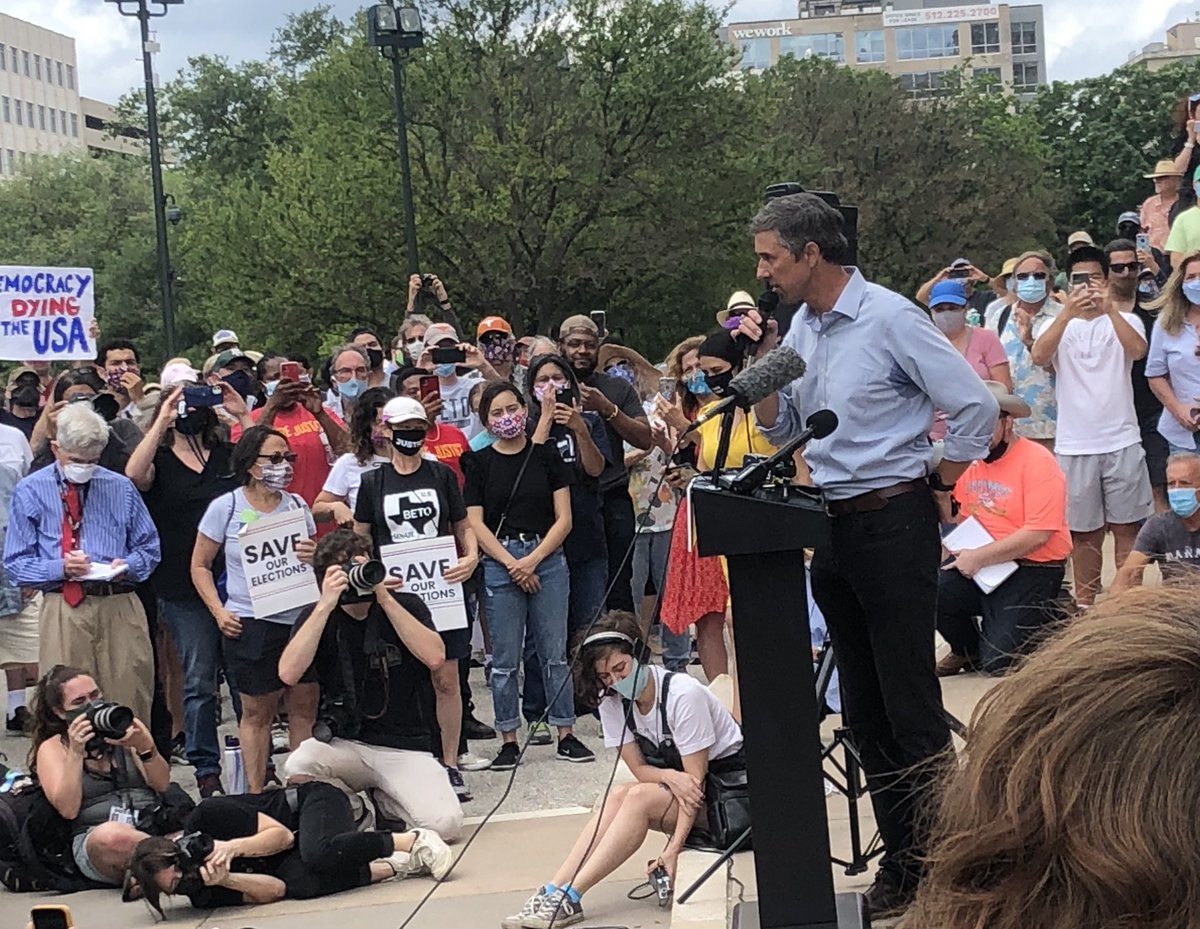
(363, 330)
(260, 369)
(116, 345)
(404, 374)
(339, 548)
(1087, 254)
(802, 218)
(245, 453)
(1120, 245)
(75, 377)
(300, 359)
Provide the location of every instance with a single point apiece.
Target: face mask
(78, 473)
(269, 387)
(1031, 290)
(408, 441)
(508, 426)
(1148, 287)
(351, 388)
(631, 686)
(1010, 283)
(375, 357)
(1191, 290)
(75, 712)
(499, 352)
(621, 373)
(241, 382)
(548, 389)
(379, 438)
(997, 452)
(444, 370)
(114, 380)
(951, 322)
(697, 383)
(1183, 501)
(731, 323)
(718, 384)
(26, 396)
(191, 423)
(415, 347)
(277, 476)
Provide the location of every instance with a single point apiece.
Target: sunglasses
(1124, 267)
(1034, 275)
(280, 457)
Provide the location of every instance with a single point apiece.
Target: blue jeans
(201, 654)
(510, 611)
(650, 552)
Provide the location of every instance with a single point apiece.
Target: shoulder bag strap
(513, 493)
(662, 706)
(1003, 320)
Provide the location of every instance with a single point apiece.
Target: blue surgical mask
(269, 387)
(1183, 501)
(697, 383)
(622, 372)
(631, 686)
(1191, 290)
(444, 370)
(1031, 290)
(351, 389)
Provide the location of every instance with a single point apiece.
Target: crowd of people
(1039, 409)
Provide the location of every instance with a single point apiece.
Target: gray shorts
(80, 854)
(1109, 488)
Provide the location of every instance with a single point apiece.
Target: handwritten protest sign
(275, 576)
(45, 313)
(421, 566)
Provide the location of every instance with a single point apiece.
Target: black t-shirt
(625, 397)
(24, 423)
(114, 456)
(587, 505)
(1147, 406)
(177, 500)
(392, 685)
(490, 477)
(409, 507)
(235, 817)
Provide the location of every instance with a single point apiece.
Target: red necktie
(72, 517)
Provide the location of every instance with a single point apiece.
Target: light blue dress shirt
(881, 365)
(115, 524)
(1174, 357)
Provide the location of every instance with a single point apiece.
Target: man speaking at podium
(878, 362)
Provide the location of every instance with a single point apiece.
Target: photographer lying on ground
(373, 652)
(298, 843)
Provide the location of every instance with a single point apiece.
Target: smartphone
(666, 387)
(289, 371)
(600, 318)
(959, 273)
(1143, 242)
(49, 916)
(446, 356)
(565, 396)
(1080, 279)
(199, 397)
(430, 386)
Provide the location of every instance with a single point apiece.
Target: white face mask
(78, 473)
(415, 348)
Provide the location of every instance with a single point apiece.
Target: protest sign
(275, 576)
(45, 313)
(421, 566)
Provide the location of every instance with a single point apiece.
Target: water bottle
(235, 769)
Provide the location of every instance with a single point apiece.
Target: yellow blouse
(746, 439)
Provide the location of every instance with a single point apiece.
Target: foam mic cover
(774, 371)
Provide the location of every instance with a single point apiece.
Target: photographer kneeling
(373, 651)
(98, 767)
(672, 732)
(297, 843)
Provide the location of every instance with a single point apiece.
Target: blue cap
(948, 292)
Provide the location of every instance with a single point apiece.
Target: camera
(427, 280)
(104, 404)
(193, 850)
(339, 719)
(109, 721)
(364, 577)
(660, 880)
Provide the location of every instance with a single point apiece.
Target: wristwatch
(935, 481)
(147, 755)
(613, 415)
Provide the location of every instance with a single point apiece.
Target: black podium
(762, 536)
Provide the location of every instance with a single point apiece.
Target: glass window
(991, 78)
(75, 125)
(71, 77)
(20, 112)
(37, 66)
(41, 117)
(25, 62)
(1024, 38)
(29, 115)
(1025, 76)
(929, 83)
(822, 45)
(985, 38)
(756, 54)
(60, 72)
(53, 120)
(5, 109)
(14, 61)
(868, 46)
(913, 42)
(63, 120)
(3, 58)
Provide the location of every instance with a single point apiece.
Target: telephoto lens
(366, 575)
(110, 720)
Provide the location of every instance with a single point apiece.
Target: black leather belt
(97, 589)
(520, 537)
(875, 499)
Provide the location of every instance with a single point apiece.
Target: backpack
(44, 864)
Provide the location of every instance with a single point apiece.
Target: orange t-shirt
(447, 443)
(307, 440)
(1025, 489)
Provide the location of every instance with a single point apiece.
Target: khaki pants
(108, 638)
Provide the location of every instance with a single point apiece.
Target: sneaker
(279, 739)
(179, 750)
(430, 855)
(477, 731)
(508, 758)
(528, 909)
(459, 785)
(20, 721)
(886, 899)
(469, 762)
(539, 734)
(557, 909)
(571, 749)
(951, 664)
(209, 784)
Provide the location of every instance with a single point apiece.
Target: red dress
(695, 586)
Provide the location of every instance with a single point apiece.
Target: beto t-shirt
(1165, 540)
(409, 507)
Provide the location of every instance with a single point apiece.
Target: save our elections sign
(276, 578)
(45, 313)
(420, 565)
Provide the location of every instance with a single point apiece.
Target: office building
(915, 40)
(1182, 44)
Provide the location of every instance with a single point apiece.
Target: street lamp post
(141, 9)
(394, 31)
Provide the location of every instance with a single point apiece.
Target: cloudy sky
(1085, 37)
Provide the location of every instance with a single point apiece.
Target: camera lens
(111, 719)
(366, 575)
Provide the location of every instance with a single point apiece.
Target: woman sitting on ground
(612, 671)
(1076, 803)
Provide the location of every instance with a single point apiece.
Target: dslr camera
(109, 721)
(339, 719)
(193, 850)
(364, 577)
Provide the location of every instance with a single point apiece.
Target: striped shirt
(115, 524)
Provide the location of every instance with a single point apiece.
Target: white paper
(103, 572)
(970, 534)
(421, 566)
(277, 579)
(45, 313)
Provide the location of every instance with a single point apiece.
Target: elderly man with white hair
(82, 535)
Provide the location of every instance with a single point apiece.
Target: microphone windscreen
(774, 371)
(822, 423)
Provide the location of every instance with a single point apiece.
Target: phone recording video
(197, 398)
(289, 371)
(430, 385)
(1080, 279)
(446, 356)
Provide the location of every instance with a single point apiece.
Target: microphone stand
(750, 479)
(723, 440)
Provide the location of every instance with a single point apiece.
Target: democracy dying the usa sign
(45, 313)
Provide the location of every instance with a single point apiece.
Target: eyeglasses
(1124, 267)
(1031, 275)
(580, 343)
(280, 457)
(360, 372)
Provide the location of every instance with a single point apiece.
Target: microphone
(751, 477)
(774, 371)
(768, 303)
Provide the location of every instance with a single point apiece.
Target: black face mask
(375, 357)
(241, 381)
(997, 453)
(719, 383)
(194, 422)
(408, 441)
(26, 395)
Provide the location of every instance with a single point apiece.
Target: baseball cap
(402, 410)
(493, 324)
(440, 332)
(1079, 237)
(948, 292)
(229, 356)
(1012, 405)
(1130, 216)
(224, 336)
(578, 323)
(177, 373)
(23, 371)
(1164, 167)
(960, 264)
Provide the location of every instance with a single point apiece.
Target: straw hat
(1164, 167)
(997, 283)
(741, 301)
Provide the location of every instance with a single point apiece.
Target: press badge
(118, 814)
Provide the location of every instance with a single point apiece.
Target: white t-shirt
(14, 450)
(345, 476)
(1094, 389)
(698, 720)
(456, 408)
(222, 522)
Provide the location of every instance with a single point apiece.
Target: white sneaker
(430, 855)
(528, 909)
(401, 865)
(469, 762)
(556, 909)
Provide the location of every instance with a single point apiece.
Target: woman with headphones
(671, 731)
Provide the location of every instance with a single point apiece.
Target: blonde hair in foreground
(1078, 803)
